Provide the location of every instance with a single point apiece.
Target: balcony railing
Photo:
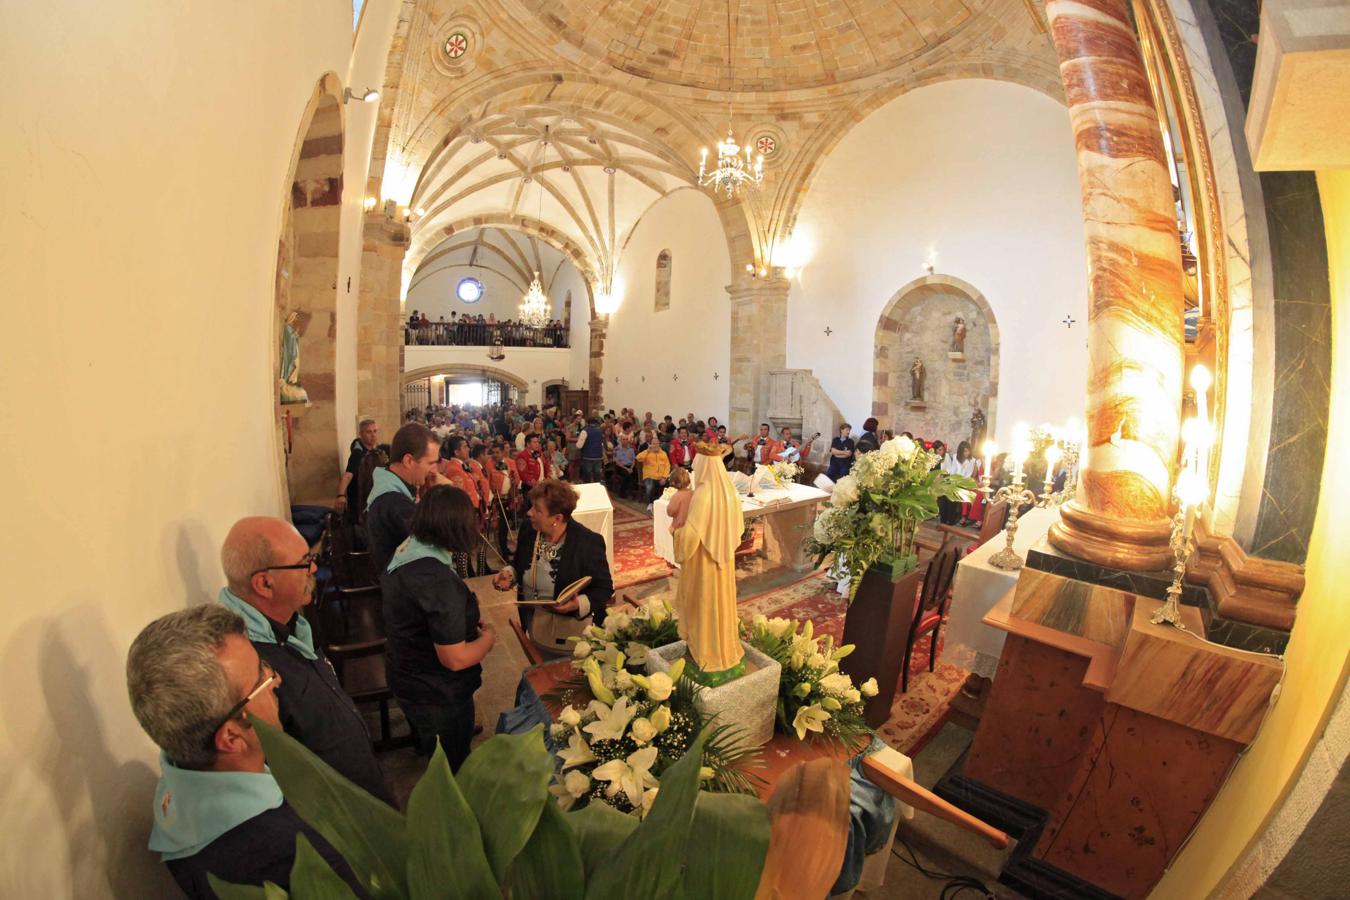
(473, 334)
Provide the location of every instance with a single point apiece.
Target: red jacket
(766, 455)
(679, 456)
(531, 470)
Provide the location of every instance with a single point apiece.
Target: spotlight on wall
(750, 267)
(370, 203)
(369, 95)
(420, 212)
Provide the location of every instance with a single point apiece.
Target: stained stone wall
(919, 322)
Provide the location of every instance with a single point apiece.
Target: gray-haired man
(196, 684)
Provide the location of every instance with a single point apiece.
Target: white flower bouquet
(815, 700)
(875, 511)
(633, 629)
(785, 472)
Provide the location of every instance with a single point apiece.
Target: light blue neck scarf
(384, 482)
(260, 628)
(193, 808)
(412, 550)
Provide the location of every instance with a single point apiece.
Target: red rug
(635, 559)
(917, 714)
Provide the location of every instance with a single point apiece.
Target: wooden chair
(354, 624)
(930, 605)
(991, 523)
(351, 567)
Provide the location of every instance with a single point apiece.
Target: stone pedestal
(877, 625)
(749, 702)
(785, 533)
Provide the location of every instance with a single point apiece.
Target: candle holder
(1016, 494)
(1182, 545)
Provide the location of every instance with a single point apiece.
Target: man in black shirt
(269, 573)
(196, 685)
(367, 439)
(412, 460)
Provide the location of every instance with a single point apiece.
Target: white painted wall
(692, 339)
(433, 292)
(146, 147)
(536, 365)
(980, 177)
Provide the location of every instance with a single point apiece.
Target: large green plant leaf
(312, 878)
(226, 891)
(445, 847)
(726, 848)
(650, 861)
(549, 867)
(600, 830)
(367, 832)
(505, 781)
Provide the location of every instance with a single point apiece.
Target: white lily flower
(570, 716)
(611, 722)
(637, 653)
(809, 718)
(660, 687)
(632, 776)
(648, 798)
(623, 681)
(576, 753)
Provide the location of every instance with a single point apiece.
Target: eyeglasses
(267, 678)
(305, 562)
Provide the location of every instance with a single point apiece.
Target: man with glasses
(269, 575)
(196, 686)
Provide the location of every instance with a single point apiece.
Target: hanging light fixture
(534, 308)
(733, 171)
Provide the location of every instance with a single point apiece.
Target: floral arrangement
(616, 748)
(875, 511)
(815, 699)
(785, 472)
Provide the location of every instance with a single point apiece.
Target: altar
(596, 512)
(978, 587)
(788, 513)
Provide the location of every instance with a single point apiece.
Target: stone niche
(918, 322)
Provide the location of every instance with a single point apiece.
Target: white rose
(582, 649)
(779, 627)
(837, 684)
(642, 731)
(660, 686)
(660, 718)
(902, 448)
(570, 716)
(869, 687)
(845, 492)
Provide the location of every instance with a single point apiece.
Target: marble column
(1135, 328)
(379, 328)
(758, 345)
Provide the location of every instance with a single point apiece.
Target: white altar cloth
(596, 512)
(978, 588)
(794, 496)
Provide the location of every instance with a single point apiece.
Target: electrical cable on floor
(956, 884)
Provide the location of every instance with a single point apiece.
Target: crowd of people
(427, 505)
(481, 331)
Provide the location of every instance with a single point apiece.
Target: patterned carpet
(915, 715)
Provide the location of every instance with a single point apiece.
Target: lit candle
(1019, 455)
(988, 449)
(1052, 455)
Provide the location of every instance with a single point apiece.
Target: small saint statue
(959, 335)
(978, 424)
(291, 391)
(916, 376)
(705, 548)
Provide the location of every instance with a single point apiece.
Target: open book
(564, 595)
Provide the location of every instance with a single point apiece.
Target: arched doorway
(918, 324)
(305, 325)
(427, 385)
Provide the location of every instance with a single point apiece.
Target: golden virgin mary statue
(705, 548)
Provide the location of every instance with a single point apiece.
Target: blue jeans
(451, 722)
(592, 469)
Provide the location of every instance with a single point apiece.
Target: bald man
(269, 577)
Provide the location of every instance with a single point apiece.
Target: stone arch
(305, 290)
(466, 369)
(889, 373)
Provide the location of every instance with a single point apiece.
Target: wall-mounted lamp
(370, 203)
(369, 95)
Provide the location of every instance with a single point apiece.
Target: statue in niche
(291, 391)
(916, 379)
(978, 424)
(959, 335)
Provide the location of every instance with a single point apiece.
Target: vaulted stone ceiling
(512, 254)
(605, 104)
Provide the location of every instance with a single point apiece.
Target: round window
(470, 290)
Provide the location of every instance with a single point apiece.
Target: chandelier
(733, 170)
(534, 308)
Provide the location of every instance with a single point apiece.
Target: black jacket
(426, 603)
(583, 553)
(261, 849)
(387, 523)
(318, 713)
